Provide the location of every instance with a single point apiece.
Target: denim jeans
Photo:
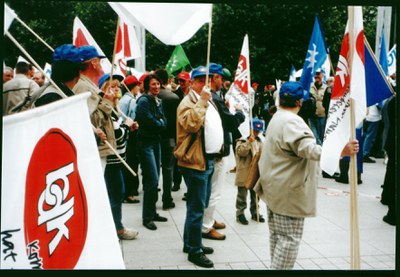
(167, 165)
(370, 135)
(149, 156)
(317, 126)
(198, 194)
(116, 191)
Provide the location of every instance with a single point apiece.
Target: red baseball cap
(184, 76)
(141, 79)
(131, 80)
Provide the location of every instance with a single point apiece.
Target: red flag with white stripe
(346, 86)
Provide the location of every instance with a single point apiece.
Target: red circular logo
(55, 215)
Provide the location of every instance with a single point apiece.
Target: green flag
(178, 60)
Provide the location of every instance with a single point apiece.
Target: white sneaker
(128, 234)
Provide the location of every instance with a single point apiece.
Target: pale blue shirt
(127, 104)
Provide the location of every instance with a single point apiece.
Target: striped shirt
(121, 132)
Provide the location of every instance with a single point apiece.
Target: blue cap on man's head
(106, 77)
(291, 89)
(258, 125)
(67, 52)
(216, 69)
(88, 52)
(199, 72)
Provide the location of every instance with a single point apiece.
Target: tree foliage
(278, 33)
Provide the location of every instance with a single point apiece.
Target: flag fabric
(47, 70)
(292, 75)
(9, 16)
(392, 61)
(377, 86)
(55, 211)
(337, 130)
(383, 60)
(22, 59)
(127, 46)
(81, 36)
(171, 23)
(316, 58)
(178, 60)
(239, 92)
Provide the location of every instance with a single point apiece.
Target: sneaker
(169, 205)
(367, 159)
(127, 234)
(242, 219)
(200, 259)
(260, 218)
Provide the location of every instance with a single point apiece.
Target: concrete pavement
(326, 238)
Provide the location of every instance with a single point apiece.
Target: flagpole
(115, 49)
(36, 35)
(63, 95)
(208, 49)
(354, 231)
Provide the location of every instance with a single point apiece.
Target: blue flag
(383, 60)
(377, 87)
(317, 55)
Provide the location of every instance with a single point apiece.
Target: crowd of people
(185, 131)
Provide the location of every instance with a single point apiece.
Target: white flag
(127, 46)
(9, 16)
(392, 60)
(55, 211)
(171, 23)
(81, 36)
(337, 130)
(240, 91)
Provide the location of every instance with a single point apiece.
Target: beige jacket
(100, 113)
(243, 157)
(189, 150)
(15, 91)
(319, 97)
(289, 166)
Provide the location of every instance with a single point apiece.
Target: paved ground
(326, 238)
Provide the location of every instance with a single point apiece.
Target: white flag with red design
(127, 46)
(337, 130)
(55, 211)
(81, 36)
(240, 91)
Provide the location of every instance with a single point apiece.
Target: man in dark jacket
(168, 138)
(230, 123)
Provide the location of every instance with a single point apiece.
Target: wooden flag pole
(354, 230)
(115, 49)
(208, 50)
(63, 95)
(36, 35)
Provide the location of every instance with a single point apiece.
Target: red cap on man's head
(184, 76)
(141, 79)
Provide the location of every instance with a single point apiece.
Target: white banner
(171, 23)
(392, 60)
(9, 16)
(55, 212)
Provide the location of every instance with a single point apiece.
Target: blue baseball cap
(258, 125)
(106, 77)
(199, 72)
(67, 52)
(88, 52)
(291, 89)
(216, 69)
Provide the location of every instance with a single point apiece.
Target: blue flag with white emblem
(316, 58)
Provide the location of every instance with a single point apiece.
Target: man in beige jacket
(289, 174)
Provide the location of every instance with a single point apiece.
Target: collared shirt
(213, 131)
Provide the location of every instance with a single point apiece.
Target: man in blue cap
(99, 108)
(199, 137)
(289, 175)
(65, 72)
(230, 123)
